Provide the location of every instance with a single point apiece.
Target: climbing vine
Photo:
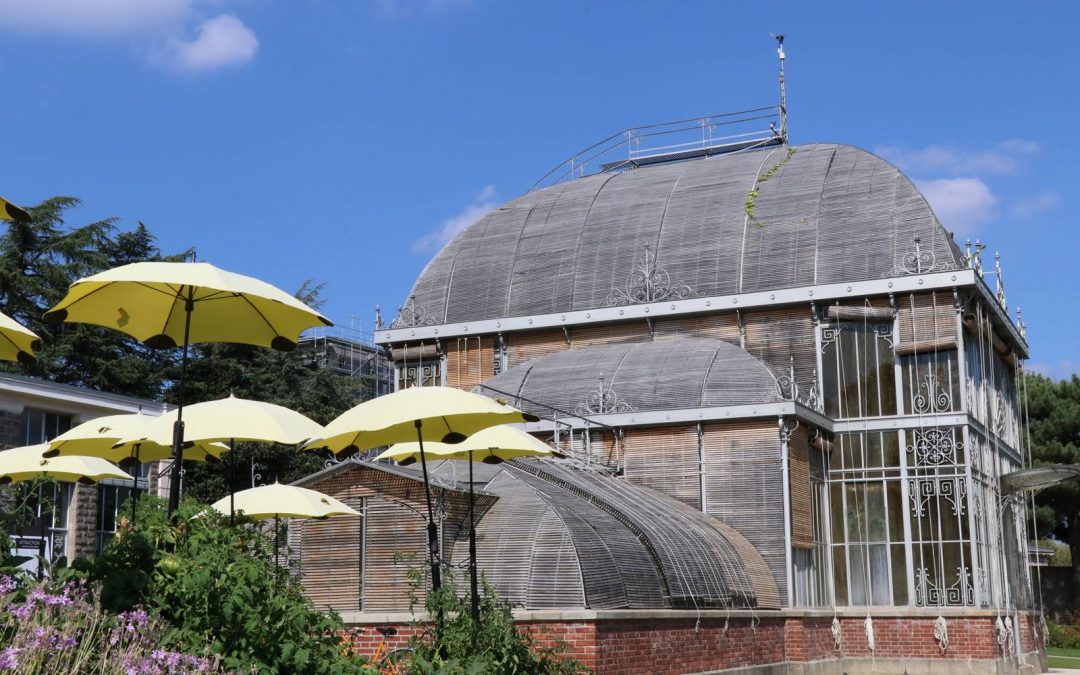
(749, 206)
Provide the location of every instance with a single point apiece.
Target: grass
(1056, 657)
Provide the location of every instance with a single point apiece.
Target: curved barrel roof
(743, 222)
(563, 537)
(665, 375)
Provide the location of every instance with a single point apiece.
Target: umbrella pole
(42, 548)
(473, 583)
(277, 540)
(432, 528)
(232, 486)
(178, 426)
(135, 484)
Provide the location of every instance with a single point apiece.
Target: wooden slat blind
(330, 561)
(744, 486)
(665, 459)
(396, 540)
(586, 336)
(802, 526)
(926, 319)
(718, 326)
(775, 336)
(522, 347)
(469, 361)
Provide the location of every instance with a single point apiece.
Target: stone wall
(83, 522)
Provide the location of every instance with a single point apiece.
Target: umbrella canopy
(97, 437)
(490, 446)
(230, 419)
(27, 463)
(17, 342)
(283, 501)
(445, 415)
(9, 211)
(149, 301)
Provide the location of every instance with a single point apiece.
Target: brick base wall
(643, 645)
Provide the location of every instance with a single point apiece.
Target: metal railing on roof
(671, 141)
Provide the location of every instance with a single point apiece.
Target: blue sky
(339, 140)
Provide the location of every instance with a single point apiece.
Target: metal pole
(135, 483)
(473, 583)
(178, 426)
(277, 539)
(232, 486)
(432, 529)
(783, 90)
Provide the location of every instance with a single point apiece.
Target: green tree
(38, 261)
(1054, 425)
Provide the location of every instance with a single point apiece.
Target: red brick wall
(686, 645)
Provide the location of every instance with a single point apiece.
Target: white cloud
(221, 41)
(157, 26)
(482, 204)
(1004, 157)
(961, 204)
(1033, 206)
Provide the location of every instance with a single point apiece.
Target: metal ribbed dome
(717, 226)
(666, 375)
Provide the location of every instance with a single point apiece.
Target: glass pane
(899, 575)
(890, 442)
(873, 450)
(880, 583)
(836, 505)
(840, 576)
(874, 499)
(854, 512)
(858, 575)
(107, 505)
(895, 497)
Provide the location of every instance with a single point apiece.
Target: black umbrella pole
(135, 485)
(474, 585)
(178, 427)
(432, 528)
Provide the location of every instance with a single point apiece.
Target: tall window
(111, 499)
(419, 374)
(39, 426)
(867, 520)
(858, 368)
(931, 382)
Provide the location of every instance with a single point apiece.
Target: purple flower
(8, 659)
(7, 584)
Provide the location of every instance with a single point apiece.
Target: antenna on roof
(783, 92)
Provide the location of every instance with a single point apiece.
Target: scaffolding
(351, 353)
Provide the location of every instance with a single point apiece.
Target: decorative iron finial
(411, 315)
(919, 262)
(1020, 325)
(1000, 282)
(648, 283)
(378, 318)
(779, 37)
(603, 400)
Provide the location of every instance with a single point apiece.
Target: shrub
(219, 587)
(1064, 633)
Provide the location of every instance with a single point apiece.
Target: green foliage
(750, 205)
(1054, 428)
(456, 645)
(38, 261)
(219, 586)
(1064, 634)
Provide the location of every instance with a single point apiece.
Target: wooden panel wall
(926, 318)
(775, 336)
(802, 524)
(744, 486)
(718, 326)
(469, 361)
(665, 459)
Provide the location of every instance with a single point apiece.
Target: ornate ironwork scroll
(951, 490)
(929, 594)
(648, 283)
(935, 446)
(603, 400)
(931, 397)
(411, 315)
(919, 262)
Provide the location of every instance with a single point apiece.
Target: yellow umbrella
(172, 304)
(490, 446)
(9, 211)
(17, 342)
(282, 501)
(439, 414)
(230, 419)
(97, 437)
(27, 463)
